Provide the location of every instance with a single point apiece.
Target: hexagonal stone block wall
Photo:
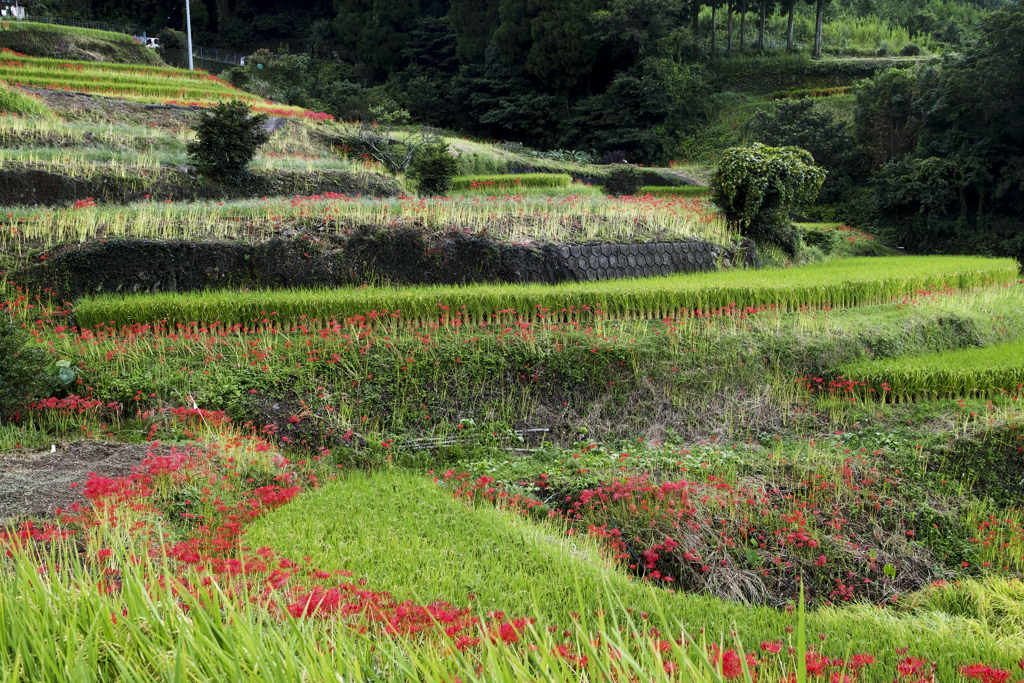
(604, 261)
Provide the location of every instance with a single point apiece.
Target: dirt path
(35, 484)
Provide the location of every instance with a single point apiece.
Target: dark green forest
(930, 153)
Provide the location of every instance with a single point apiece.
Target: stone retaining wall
(606, 261)
(401, 257)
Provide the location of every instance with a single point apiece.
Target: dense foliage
(228, 137)
(635, 76)
(819, 130)
(757, 187)
(953, 179)
(21, 368)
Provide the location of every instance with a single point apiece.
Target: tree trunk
(743, 24)
(817, 28)
(789, 28)
(760, 28)
(714, 24)
(728, 43)
(695, 11)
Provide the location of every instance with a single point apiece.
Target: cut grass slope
(843, 283)
(405, 534)
(966, 373)
(70, 42)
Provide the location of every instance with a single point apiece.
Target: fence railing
(82, 23)
(216, 55)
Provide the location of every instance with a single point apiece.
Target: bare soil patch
(79, 105)
(37, 483)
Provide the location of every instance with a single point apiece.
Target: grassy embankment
(71, 42)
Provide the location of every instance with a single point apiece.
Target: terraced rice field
(976, 373)
(844, 283)
(509, 218)
(165, 85)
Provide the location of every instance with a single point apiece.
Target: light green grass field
(405, 534)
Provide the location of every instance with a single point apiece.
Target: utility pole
(188, 26)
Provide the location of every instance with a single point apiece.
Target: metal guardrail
(216, 55)
(81, 23)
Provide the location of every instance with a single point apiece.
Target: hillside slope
(68, 42)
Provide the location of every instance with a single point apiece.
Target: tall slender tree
(761, 23)
(728, 42)
(819, 20)
(714, 23)
(743, 24)
(790, 5)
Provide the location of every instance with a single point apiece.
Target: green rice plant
(469, 372)
(974, 373)
(123, 84)
(79, 163)
(568, 192)
(473, 163)
(63, 618)
(13, 101)
(844, 283)
(811, 92)
(680, 191)
(71, 67)
(39, 141)
(511, 182)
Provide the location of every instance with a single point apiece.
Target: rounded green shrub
(228, 138)
(757, 186)
(22, 368)
(433, 169)
(623, 180)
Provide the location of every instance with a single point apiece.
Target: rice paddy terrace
(348, 468)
